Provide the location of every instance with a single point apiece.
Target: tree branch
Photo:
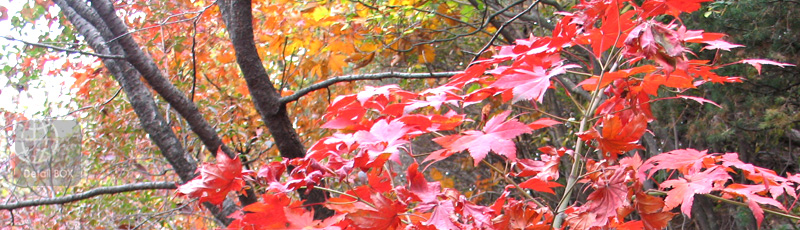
(46, 46)
(156, 79)
(373, 76)
(99, 38)
(238, 18)
(89, 194)
(503, 26)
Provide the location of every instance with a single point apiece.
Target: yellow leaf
(360, 59)
(320, 13)
(427, 54)
(336, 62)
(437, 175)
(226, 57)
(368, 47)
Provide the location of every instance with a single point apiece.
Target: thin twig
(194, 58)
(357, 77)
(95, 106)
(509, 180)
(90, 193)
(64, 49)
(497, 33)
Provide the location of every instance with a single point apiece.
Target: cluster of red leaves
(215, 180)
(375, 126)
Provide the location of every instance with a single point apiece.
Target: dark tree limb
(156, 79)
(99, 38)
(145, 65)
(138, 95)
(89, 194)
(573, 88)
(238, 18)
(358, 77)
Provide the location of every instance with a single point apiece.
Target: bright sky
(53, 89)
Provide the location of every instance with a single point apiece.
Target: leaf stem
(733, 202)
(509, 180)
(349, 195)
(767, 210)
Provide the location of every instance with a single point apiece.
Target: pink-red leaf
(684, 189)
(758, 62)
(496, 136)
(215, 180)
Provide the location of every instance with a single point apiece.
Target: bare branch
(357, 77)
(157, 80)
(500, 29)
(573, 88)
(89, 194)
(46, 46)
(554, 4)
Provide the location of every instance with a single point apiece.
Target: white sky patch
(49, 95)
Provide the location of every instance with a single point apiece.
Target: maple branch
(63, 49)
(357, 77)
(715, 197)
(767, 210)
(89, 194)
(572, 179)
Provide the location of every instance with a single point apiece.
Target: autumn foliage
(637, 51)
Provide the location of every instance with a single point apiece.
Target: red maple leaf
(441, 218)
(278, 211)
(650, 208)
(422, 189)
(480, 216)
(609, 195)
(684, 189)
(671, 7)
(435, 98)
(447, 143)
(383, 216)
(543, 123)
(270, 175)
(540, 185)
(545, 169)
(750, 193)
(496, 136)
(758, 62)
(618, 136)
(529, 81)
(656, 41)
(686, 161)
(215, 180)
(382, 142)
(590, 84)
(524, 215)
